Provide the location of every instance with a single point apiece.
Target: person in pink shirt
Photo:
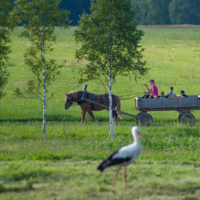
(153, 91)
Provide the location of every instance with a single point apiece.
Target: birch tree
(110, 42)
(39, 18)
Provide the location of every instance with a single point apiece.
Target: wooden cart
(181, 105)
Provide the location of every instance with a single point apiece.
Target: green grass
(167, 143)
(80, 180)
(64, 167)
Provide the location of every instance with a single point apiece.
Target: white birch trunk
(110, 107)
(110, 92)
(44, 87)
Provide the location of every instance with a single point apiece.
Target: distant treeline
(76, 7)
(155, 12)
(149, 12)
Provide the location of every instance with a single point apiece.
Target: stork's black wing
(112, 161)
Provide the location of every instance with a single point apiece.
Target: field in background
(171, 54)
(64, 167)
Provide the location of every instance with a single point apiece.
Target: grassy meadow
(64, 167)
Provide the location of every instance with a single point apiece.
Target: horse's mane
(75, 94)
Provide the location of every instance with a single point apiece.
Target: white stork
(125, 155)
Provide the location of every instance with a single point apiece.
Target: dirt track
(171, 26)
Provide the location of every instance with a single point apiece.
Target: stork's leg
(125, 176)
(113, 184)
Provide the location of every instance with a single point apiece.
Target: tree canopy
(5, 27)
(95, 32)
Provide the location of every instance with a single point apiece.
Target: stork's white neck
(136, 140)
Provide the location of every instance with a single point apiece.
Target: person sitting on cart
(162, 95)
(182, 95)
(153, 91)
(170, 93)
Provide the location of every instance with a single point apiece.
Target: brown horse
(89, 107)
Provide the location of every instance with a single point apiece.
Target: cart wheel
(145, 119)
(136, 119)
(179, 117)
(187, 118)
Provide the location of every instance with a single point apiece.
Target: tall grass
(167, 143)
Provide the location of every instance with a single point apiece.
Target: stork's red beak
(140, 134)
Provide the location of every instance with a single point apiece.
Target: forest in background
(76, 7)
(148, 12)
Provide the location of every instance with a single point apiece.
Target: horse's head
(68, 101)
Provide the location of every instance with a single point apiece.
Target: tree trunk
(110, 106)
(110, 92)
(44, 87)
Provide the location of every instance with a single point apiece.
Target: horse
(89, 107)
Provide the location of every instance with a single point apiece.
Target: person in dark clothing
(182, 95)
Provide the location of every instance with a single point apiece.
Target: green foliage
(5, 8)
(3, 79)
(40, 18)
(109, 39)
(5, 26)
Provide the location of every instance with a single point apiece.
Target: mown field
(64, 167)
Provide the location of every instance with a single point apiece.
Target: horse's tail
(119, 107)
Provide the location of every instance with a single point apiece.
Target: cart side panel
(151, 103)
(187, 102)
(169, 103)
(192, 101)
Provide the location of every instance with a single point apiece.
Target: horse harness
(92, 97)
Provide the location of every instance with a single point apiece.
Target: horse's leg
(83, 116)
(115, 116)
(92, 116)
